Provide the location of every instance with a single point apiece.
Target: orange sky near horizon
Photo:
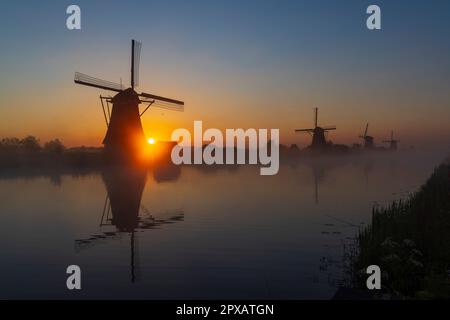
(61, 109)
(75, 117)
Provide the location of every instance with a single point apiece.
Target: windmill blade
(168, 106)
(93, 240)
(327, 128)
(161, 105)
(304, 130)
(316, 110)
(86, 80)
(161, 99)
(135, 61)
(163, 215)
(367, 128)
(150, 220)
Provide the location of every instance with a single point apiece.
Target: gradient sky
(258, 64)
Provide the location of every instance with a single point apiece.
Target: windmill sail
(304, 130)
(367, 128)
(168, 106)
(161, 103)
(161, 99)
(86, 80)
(135, 60)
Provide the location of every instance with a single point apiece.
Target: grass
(410, 241)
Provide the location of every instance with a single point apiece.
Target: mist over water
(198, 231)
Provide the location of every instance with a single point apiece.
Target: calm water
(197, 232)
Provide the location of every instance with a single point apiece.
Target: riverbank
(410, 241)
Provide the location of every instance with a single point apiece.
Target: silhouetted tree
(30, 144)
(54, 146)
(10, 144)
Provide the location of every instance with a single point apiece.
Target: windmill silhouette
(368, 140)
(318, 133)
(392, 142)
(125, 135)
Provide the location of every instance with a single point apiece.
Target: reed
(410, 241)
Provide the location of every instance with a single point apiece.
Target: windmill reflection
(124, 186)
(123, 211)
(319, 170)
(319, 174)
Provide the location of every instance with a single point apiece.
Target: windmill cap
(127, 95)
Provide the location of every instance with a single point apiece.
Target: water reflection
(123, 210)
(124, 186)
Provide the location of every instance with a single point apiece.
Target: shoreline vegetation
(29, 153)
(410, 241)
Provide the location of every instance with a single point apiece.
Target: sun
(151, 141)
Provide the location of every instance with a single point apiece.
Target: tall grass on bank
(410, 241)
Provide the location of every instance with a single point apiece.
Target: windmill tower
(392, 142)
(125, 135)
(318, 133)
(368, 140)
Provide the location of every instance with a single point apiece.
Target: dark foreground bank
(410, 241)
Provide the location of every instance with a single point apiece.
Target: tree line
(30, 144)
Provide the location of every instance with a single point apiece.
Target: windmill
(368, 140)
(392, 142)
(125, 135)
(318, 133)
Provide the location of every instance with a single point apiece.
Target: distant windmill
(368, 140)
(125, 134)
(318, 133)
(392, 142)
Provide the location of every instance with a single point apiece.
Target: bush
(30, 144)
(54, 146)
(10, 144)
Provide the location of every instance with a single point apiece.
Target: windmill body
(393, 145)
(125, 135)
(368, 140)
(125, 130)
(318, 138)
(318, 133)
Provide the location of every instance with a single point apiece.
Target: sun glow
(151, 141)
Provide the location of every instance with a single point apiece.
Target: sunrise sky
(249, 64)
